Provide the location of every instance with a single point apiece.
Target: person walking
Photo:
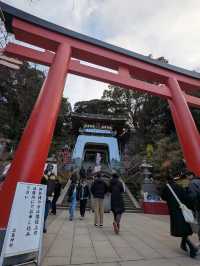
(194, 194)
(82, 172)
(83, 196)
(72, 196)
(116, 189)
(57, 190)
(89, 172)
(99, 188)
(44, 181)
(178, 225)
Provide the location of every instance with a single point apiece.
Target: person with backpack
(116, 189)
(194, 194)
(72, 196)
(83, 196)
(99, 188)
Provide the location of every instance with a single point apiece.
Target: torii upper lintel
(141, 66)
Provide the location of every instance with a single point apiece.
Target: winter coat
(194, 193)
(83, 192)
(57, 190)
(89, 172)
(82, 173)
(99, 188)
(70, 191)
(50, 187)
(178, 226)
(116, 189)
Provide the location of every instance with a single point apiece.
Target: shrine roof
(98, 117)
(12, 12)
(116, 122)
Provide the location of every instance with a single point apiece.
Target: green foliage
(97, 106)
(130, 101)
(18, 93)
(167, 157)
(152, 124)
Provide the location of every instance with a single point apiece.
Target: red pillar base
(160, 208)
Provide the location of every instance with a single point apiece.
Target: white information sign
(25, 226)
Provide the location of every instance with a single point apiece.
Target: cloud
(162, 28)
(82, 89)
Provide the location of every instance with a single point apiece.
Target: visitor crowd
(83, 191)
(180, 201)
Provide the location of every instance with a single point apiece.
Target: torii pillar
(32, 151)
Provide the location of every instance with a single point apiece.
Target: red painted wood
(192, 100)
(160, 208)
(185, 126)
(115, 79)
(123, 79)
(99, 56)
(25, 53)
(31, 154)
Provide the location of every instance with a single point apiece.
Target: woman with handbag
(175, 196)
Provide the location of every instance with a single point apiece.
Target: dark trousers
(53, 204)
(82, 207)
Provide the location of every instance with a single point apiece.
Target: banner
(25, 226)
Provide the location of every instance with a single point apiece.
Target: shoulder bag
(187, 213)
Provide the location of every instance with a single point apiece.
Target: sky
(158, 27)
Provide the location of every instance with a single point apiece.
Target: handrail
(131, 197)
(63, 193)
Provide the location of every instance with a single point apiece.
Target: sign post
(23, 240)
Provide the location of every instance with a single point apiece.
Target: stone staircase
(129, 206)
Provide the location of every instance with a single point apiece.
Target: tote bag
(187, 213)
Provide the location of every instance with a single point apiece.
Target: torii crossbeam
(63, 51)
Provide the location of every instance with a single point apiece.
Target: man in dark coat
(57, 190)
(99, 188)
(116, 189)
(178, 225)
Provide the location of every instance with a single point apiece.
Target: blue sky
(160, 27)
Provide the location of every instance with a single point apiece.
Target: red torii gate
(64, 50)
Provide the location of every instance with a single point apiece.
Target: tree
(18, 93)
(147, 114)
(97, 106)
(151, 121)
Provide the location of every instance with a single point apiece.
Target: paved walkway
(144, 241)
